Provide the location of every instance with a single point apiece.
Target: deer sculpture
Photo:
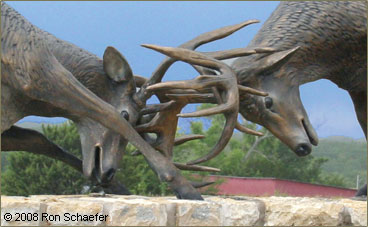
(306, 41)
(45, 76)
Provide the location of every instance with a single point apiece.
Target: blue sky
(125, 25)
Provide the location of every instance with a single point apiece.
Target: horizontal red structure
(271, 186)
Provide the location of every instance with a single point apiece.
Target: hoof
(359, 198)
(188, 194)
(200, 184)
(116, 188)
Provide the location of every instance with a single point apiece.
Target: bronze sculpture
(32, 76)
(45, 76)
(306, 41)
(294, 129)
(315, 40)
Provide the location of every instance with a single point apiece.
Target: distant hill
(346, 156)
(343, 139)
(30, 125)
(34, 125)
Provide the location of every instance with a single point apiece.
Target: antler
(207, 37)
(226, 82)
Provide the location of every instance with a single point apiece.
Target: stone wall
(113, 210)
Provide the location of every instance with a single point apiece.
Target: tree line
(245, 156)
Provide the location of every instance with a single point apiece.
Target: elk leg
(59, 88)
(360, 105)
(362, 192)
(21, 139)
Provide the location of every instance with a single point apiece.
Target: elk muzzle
(299, 136)
(100, 164)
(103, 175)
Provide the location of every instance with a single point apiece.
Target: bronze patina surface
(45, 76)
(314, 40)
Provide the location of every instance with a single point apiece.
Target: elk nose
(99, 172)
(303, 149)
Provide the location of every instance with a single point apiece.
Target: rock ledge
(113, 210)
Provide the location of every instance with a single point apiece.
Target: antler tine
(231, 120)
(189, 56)
(139, 80)
(193, 98)
(165, 131)
(196, 167)
(238, 52)
(226, 135)
(201, 184)
(227, 54)
(239, 126)
(244, 129)
(154, 108)
(187, 138)
(251, 90)
(207, 37)
(217, 34)
(146, 118)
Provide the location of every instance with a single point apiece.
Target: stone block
(136, 212)
(357, 211)
(20, 211)
(74, 213)
(197, 213)
(240, 211)
(300, 211)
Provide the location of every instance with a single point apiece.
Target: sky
(126, 25)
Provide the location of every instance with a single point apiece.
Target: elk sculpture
(316, 40)
(45, 76)
(310, 41)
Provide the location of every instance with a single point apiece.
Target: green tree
(247, 156)
(347, 157)
(138, 177)
(28, 174)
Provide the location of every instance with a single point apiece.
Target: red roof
(250, 186)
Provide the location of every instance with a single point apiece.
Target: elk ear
(274, 60)
(116, 66)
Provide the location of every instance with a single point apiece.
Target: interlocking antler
(207, 37)
(198, 90)
(226, 81)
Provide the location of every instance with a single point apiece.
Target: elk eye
(125, 115)
(268, 102)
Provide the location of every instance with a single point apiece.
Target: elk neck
(332, 46)
(85, 66)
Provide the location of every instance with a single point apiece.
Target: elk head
(282, 111)
(103, 148)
